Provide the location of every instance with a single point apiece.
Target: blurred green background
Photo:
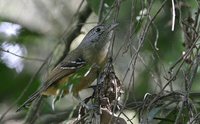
(33, 28)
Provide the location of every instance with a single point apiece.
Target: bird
(79, 67)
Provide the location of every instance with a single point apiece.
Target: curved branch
(68, 38)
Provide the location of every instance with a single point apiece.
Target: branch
(70, 36)
(13, 117)
(23, 57)
(31, 116)
(100, 13)
(27, 86)
(52, 118)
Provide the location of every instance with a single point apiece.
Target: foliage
(157, 67)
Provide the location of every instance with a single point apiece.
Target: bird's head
(98, 35)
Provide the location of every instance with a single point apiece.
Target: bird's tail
(29, 100)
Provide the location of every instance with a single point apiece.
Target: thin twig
(173, 77)
(81, 18)
(141, 41)
(195, 118)
(128, 119)
(173, 15)
(110, 54)
(23, 57)
(184, 56)
(179, 113)
(33, 111)
(100, 13)
(13, 117)
(117, 8)
(27, 86)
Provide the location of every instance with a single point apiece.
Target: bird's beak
(112, 26)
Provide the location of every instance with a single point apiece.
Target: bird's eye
(98, 30)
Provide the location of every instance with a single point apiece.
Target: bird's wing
(62, 70)
(65, 68)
